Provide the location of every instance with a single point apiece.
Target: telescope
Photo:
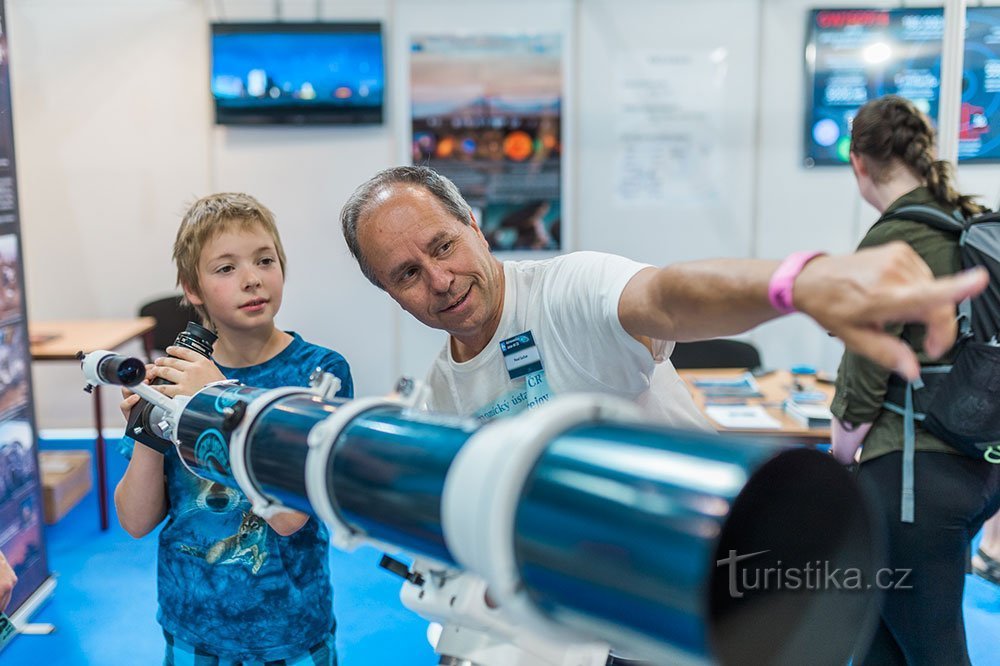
(560, 536)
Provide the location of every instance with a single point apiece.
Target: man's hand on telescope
(187, 370)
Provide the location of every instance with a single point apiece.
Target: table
(775, 387)
(61, 340)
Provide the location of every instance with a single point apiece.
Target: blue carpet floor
(104, 606)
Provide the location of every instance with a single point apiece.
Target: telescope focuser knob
(393, 565)
(88, 388)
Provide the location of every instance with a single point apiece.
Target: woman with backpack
(927, 533)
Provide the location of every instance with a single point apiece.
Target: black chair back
(715, 354)
(171, 318)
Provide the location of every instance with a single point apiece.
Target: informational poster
(11, 294)
(21, 535)
(856, 55)
(668, 124)
(487, 113)
(20, 502)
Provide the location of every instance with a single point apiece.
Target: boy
(232, 588)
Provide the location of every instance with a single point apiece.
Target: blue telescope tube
(702, 547)
(277, 446)
(387, 476)
(203, 435)
(276, 442)
(632, 532)
(671, 534)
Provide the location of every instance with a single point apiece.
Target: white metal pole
(950, 100)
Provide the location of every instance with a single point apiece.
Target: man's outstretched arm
(852, 296)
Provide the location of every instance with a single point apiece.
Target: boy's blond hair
(208, 217)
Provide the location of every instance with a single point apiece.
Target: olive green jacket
(861, 383)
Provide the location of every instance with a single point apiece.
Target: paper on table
(742, 416)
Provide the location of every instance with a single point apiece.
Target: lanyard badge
(520, 355)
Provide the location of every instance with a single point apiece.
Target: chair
(715, 354)
(171, 318)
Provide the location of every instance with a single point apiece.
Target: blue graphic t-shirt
(227, 582)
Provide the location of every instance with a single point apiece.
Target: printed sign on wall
(486, 113)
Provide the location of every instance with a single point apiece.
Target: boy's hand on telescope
(129, 399)
(187, 370)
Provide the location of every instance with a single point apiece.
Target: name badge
(520, 355)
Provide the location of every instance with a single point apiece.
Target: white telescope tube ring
(322, 438)
(263, 506)
(485, 481)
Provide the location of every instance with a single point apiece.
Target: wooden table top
(776, 388)
(61, 340)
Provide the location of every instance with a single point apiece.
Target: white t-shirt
(569, 305)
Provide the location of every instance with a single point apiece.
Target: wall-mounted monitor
(297, 73)
(855, 55)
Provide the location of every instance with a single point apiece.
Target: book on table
(741, 386)
(809, 415)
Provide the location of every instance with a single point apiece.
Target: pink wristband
(779, 289)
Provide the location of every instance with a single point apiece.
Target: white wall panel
(114, 136)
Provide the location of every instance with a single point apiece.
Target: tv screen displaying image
(855, 55)
(297, 73)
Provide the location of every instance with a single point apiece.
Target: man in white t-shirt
(559, 332)
(523, 331)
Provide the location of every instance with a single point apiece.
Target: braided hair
(891, 130)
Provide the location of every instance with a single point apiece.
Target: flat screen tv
(297, 73)
(855, 55)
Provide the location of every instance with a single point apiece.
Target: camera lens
(123, 370)
(197, 338)
(141, 423)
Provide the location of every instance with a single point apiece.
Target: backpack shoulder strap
(933, 217)
(955, 223)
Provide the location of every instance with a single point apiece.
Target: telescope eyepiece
(104, 367)
(121, 370)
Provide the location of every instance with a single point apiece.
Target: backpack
(958, 403)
